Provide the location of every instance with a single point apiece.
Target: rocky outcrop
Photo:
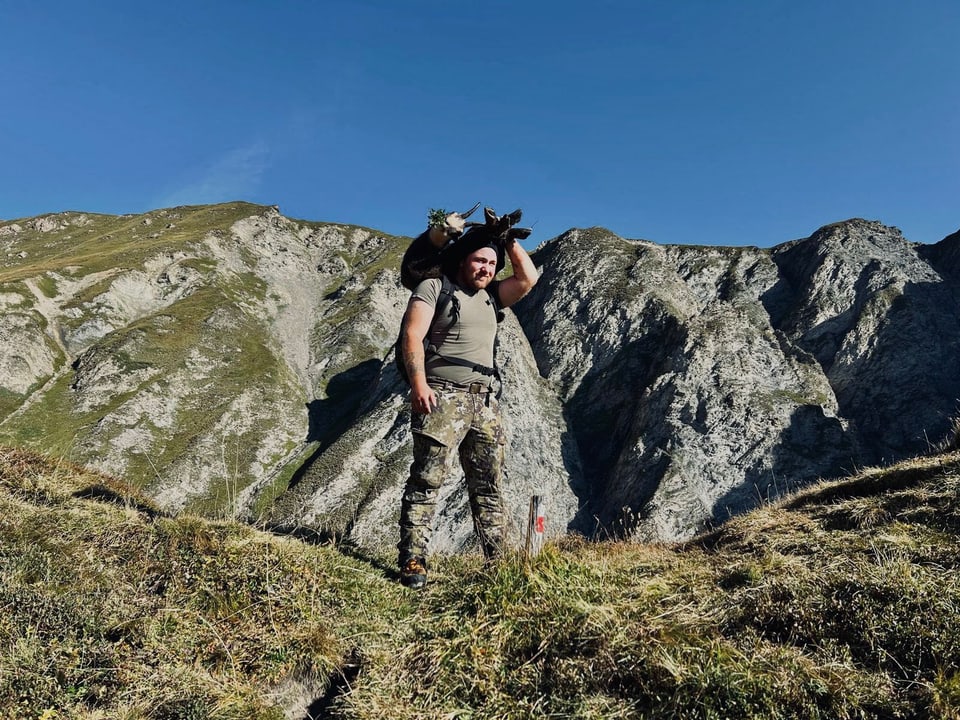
(705, 380)
(689, 402)
(233, 361)
(882, 323)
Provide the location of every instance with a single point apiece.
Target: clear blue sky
(709, 122)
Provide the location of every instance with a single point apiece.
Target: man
(453, 408)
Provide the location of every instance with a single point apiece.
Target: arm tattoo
(415, 364)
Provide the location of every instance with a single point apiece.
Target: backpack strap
(446, 297)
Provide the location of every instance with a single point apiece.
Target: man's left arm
(524, 276)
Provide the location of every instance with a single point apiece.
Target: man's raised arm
(524, 276)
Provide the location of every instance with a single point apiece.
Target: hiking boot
(413, 573)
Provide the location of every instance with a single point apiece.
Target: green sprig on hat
(437, 217)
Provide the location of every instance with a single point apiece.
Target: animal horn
(470, 212)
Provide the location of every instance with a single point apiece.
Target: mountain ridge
(233, 361)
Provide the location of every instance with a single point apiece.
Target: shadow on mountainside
(812, 447)
(902, 393)
(889, 356)
(102, 493)
(350, 396)
(898, 397)
(346, 392)
(609, 412)
(582, 521)
(330, 417)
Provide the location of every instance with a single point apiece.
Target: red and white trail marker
(536, 526)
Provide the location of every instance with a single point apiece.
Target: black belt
(474, 388)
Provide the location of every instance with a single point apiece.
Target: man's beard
(475, 282)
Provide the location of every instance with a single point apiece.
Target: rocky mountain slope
(704, 380)
(235, 362)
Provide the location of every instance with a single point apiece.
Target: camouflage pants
(470, 425)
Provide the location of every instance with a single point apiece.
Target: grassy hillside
(188, 349)
(840, 602)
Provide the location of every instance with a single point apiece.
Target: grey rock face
(236, 362)
(701, 381)
(883, 325)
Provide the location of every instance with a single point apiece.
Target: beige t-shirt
(470, 338)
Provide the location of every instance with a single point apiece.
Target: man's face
(478, 268)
